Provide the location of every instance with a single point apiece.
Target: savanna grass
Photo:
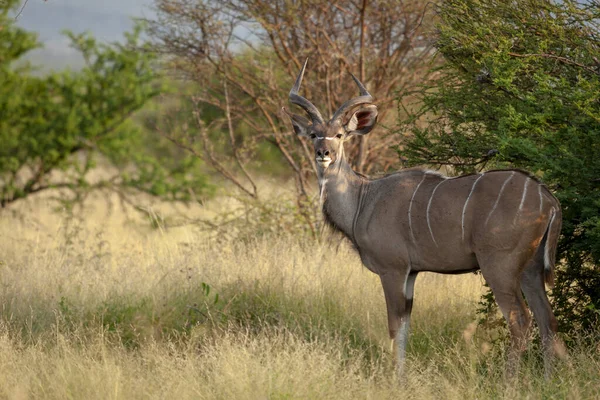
(105, 308)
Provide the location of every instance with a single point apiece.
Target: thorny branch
(558, 58)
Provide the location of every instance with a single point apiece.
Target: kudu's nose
(323, 153)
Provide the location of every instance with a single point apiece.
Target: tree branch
(557, 58)
(234, 147)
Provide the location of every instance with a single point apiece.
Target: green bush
(56, 128)
(519, 87)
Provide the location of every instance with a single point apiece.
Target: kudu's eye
(312, 135)
(339, 136)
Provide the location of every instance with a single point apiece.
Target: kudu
(505, 223)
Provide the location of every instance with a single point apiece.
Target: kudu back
(505, 223)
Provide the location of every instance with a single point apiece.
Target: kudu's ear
(300, 123)
(362, 121)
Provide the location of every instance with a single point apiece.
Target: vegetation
(101, 309)
(56, 128)
(519, 88)
(98, 305)
(245, 55)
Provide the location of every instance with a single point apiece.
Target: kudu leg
(507, 293)
(532, 285)
(398, 289)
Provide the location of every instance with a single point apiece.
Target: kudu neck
(341, 172)
(341, 191)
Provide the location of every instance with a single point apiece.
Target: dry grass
(110, 308)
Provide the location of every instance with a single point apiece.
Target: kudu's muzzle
(324, 154)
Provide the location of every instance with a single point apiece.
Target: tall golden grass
(106, 307)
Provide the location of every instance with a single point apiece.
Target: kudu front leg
(398, 289)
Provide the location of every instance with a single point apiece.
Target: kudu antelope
(505, 223)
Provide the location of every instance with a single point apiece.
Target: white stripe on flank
(524, 194)
(540, 193)
(546, 246)
(428, 206)
(522, 199)
(498, 198)
(412, 235)
(465, 206)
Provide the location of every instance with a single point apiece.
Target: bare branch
(234, 147)
(557, 58)
(21, 10)
(362, 150)
(380, 41)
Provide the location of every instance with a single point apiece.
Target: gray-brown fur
(505, 223)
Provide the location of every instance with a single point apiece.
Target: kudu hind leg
(532, 285)
(398, 289)
(508, 296)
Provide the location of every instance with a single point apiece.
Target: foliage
(252, 219)
(54, 129)
(520, 87)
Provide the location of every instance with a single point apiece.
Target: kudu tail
(549, 244)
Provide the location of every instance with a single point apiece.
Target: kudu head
(357, 116)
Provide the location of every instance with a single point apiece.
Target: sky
(107, 20)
